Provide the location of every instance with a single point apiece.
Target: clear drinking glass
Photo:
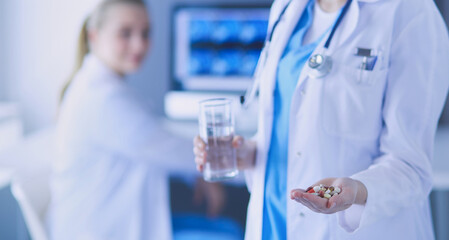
(216, 123)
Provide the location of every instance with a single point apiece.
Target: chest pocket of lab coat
(352, 102)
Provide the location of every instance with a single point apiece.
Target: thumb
(238, 141)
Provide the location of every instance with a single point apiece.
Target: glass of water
(216, 123)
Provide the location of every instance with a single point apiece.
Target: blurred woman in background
(110, 179)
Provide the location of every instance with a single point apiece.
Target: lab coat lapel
(347, 26)
(280, 39)
(277, 46)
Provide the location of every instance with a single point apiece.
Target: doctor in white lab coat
(110, 178)
(368, 131)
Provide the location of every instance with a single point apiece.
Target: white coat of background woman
(110, 178)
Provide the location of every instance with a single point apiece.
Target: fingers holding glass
(199, 149)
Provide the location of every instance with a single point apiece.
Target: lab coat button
(301, 214)
(303, 92)
(298, 154)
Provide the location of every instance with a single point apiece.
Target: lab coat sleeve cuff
(358, 216)
(349, 219)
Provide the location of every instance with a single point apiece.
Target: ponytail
(82, 51)
(83, 45)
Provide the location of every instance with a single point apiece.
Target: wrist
(362, 193)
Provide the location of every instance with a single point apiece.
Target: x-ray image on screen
(217, 48)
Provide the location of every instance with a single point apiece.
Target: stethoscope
(320, 64)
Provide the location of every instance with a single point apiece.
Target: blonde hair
(92, 22)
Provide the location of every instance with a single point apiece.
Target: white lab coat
(379, 130)
(110, 178)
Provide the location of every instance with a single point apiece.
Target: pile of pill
(324, 191)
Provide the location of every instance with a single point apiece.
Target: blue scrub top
(289, 69)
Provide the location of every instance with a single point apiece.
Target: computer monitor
(217, 48)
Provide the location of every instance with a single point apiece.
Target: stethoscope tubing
(251, 91)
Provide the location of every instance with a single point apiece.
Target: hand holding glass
(216, 126)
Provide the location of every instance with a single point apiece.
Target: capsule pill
(324, 191)
(337, 190)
